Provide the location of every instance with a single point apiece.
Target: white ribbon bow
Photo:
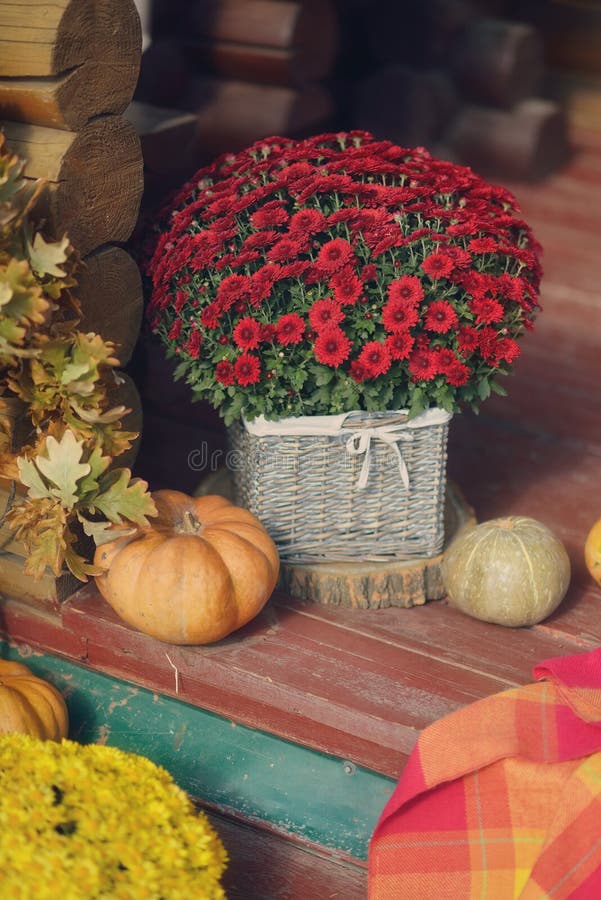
(359, 444)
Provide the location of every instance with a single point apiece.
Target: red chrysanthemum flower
(306, 221)
(267, 332)
(483, 245)
(399, 315)
(211, 314)
(285, 249)
(333, 256)
(332, 347)
(347, 287)
(510, 287)
(247, 369)
(261, 283)
(193, 344)
(233, 288)
(400, 344)
(181, 297)
(295, 269)
(259, 239)
(324, 314)
(375, 359)
(488, 344)
(440, 317)
(408, 288)
(247, 333)
(357, 371)
(224, 372)
(290, 329)
(507, 350)
(244, 258)
(175, 330)
(486, 310)
(461, 258)
(457, 374)
(369, 272)
(438, 265)
(422, 365)
(467, 341)
(273, 213)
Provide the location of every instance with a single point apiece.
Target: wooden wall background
(467, 78)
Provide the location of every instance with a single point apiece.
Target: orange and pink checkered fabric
(501, 799)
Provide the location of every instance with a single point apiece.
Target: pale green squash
(511, 571)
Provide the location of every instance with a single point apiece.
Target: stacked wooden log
(68, 71)
(571, 30)
(462, 80)
(245, 68)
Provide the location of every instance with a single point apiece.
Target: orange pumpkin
(30, 705)
(592, 551)
(202, 569)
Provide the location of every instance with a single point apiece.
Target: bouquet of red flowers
(341, 273)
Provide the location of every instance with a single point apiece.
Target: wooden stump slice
(404, 583)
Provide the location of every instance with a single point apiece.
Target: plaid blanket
(501, 799)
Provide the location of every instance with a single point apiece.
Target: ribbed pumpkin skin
(592, 551)
(30, 705)
(511, 571)
(202, 569)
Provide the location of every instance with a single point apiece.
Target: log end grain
(50, 39)
(109, 291)
(528, 142)
(498, 62)
(95, 178)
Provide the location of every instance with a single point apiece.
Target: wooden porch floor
(360, 684)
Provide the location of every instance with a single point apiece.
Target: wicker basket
(361, 486)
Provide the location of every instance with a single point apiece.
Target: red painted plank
(443, 634)
(38, 629)
(264, 866)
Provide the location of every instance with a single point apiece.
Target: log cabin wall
(466, 78)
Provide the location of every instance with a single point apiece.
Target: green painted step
(318, 798)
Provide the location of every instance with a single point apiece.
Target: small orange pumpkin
(202, 569)
(30, 705)
(592, 551)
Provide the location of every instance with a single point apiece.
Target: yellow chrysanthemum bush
(94, 821)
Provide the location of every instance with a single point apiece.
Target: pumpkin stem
(188, 524)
